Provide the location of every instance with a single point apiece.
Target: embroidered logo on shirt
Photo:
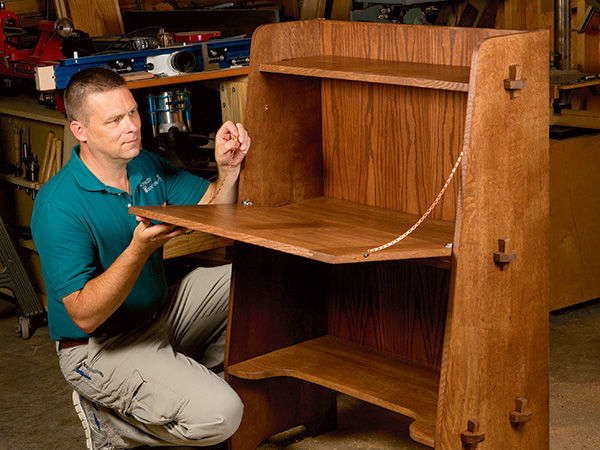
(147, 185)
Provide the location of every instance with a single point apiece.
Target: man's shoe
(96, 435)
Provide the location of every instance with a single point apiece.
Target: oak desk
(355, 128)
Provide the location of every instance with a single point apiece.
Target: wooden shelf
(323, 229)
(189, 77)
(193, 243)
(29, 108)
(21, 181)
(434, 76)
(409, 389)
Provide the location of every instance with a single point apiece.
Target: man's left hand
(231, 140)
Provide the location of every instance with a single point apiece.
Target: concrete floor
(36, 411)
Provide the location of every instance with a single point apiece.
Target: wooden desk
(355, 128)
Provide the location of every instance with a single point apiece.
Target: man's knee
(230, 412)
(216, 421)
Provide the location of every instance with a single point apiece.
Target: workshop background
(36, 410)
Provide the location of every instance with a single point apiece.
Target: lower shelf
(375, 377)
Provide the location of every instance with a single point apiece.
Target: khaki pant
(148, 389)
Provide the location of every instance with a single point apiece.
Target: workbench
(574, 220)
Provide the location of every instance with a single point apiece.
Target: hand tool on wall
(58, 155)
(55, 158)
(25, 141)
(18, 169)
(50, 164)
(46, 161)
(32, 170)
(28, 159)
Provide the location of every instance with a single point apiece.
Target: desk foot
(277, 404)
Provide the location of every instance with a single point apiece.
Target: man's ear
(78, 130)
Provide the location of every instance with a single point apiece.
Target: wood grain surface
(323, 229)
(435, 76)
(496, 343)
(409, 389)
(96, 17)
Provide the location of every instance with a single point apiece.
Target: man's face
(112, 130)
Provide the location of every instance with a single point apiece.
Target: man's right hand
(148, 237)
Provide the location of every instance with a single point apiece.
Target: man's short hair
(88, 81)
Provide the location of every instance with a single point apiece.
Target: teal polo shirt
(80, 226)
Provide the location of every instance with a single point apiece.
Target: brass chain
(235, 139)
(423, 217)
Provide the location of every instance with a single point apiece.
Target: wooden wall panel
(233, 99)
(396, 307)
(97, 17)
(574, 238)
(29, 12)
(26, 7)
(404, 172)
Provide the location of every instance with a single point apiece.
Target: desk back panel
(395, 154)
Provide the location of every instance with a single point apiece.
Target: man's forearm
(225, 187)
(91, 306)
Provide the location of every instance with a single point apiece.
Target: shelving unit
(355, 128)
(20, 181)
(188, 78)
(26, 110)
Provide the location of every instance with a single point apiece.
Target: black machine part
(14, 278)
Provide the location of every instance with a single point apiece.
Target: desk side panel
(496, 345)
(277, 300)
(283, 118)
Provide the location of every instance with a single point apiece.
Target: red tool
(196, 36)
(21, 62)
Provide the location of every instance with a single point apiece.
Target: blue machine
(210, 55)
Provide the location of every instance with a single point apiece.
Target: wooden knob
(504, 255)
(514, 83)
(522, 413)
(472, 436)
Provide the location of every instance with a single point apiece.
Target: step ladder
(14, 278)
